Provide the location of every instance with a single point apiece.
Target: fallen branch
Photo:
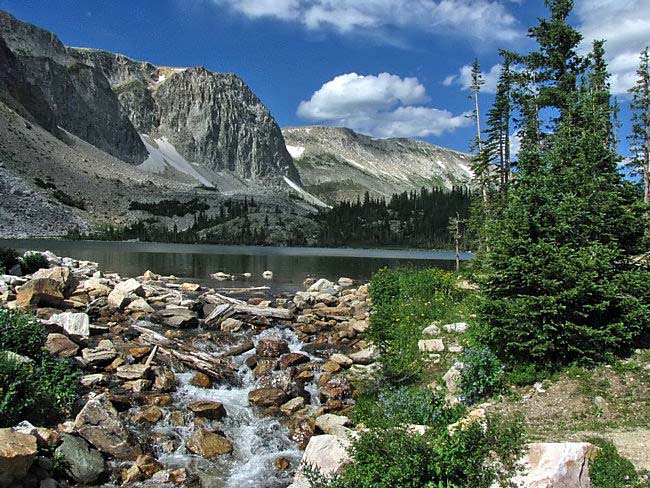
(217, 367)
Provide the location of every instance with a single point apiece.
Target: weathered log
(218, 298)
(217, 367)
(223, 311)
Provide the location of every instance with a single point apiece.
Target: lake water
(290, 265)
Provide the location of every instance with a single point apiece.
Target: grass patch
(34, 385)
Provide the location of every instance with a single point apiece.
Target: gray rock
(75, 325)
(84, 464)
(180, 318)
(99, 424)
(124, 293)
(456, 328)
(432, 330)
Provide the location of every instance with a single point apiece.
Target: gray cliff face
(78, 96)
(339, 164)
(212, 119)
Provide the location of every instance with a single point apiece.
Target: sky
(382, 67)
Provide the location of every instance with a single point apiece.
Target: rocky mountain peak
(337, 163)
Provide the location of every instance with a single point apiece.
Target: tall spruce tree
(480, 164)
(640, 137)
(554, 289)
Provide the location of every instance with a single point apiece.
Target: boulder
(139, 305)
(341, 359)
(104, 353)
(165, 380)
(179, 318)
(346, 282)
(61, 346)
(557, 465)
(329, 423)
(151, 414)
(124, 293)
(302, 429)
(292, 405)
(190, 287)
(365, 356)
(83, 463)
(452, 381)
(293, 359)
(208, 444)
(75, 325)
(40, 292)
(324, 286)
(456, 328)
(99, 424)
(431, 345)
(201, 380)
(240, 349)
(17, 452)
(432, 330)
(267, 397)
(272, 347)
(60, 275)
(150, 276)
(326, 453)
(231, 325)
(207, 409)
(148, 465)
(221, 276)
(133, 371)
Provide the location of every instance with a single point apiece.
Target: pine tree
(480, 164)
(640, 137)
(554, 288)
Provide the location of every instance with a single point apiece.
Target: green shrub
(32, 262)
(404, 303)
(395, 457)
(21, 333)
(610, 469)
(405, 405)
(481, 375)
(8, 259)
(40, 390)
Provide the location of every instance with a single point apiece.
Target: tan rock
(326, 453)
(292, 405)
(150, 414)
(60, 345)
(99, 424)
(17, 452)
(267, 397)
(431, 345)
(148, 465)
(201, 380)
(281, 463)
(131, 475)
(208, 409)
(556, 465)
(208, 444)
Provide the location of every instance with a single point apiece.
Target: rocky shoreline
(184, 386)
(179, 380)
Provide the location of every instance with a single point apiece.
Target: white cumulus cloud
(485, 20)
(385, 105)
(464, 78)
(625, 25)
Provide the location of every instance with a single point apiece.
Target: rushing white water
(257, 440)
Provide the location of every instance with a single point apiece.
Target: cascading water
(257, 440)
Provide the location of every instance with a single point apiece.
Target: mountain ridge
(337, 163)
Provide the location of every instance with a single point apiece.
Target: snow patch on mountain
(308, 197)
(163, 155)
(295, 151)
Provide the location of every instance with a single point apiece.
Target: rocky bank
(184, 386)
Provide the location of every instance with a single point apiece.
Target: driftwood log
(225, 310)
(217, 367)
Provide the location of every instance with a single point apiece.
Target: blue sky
(378, 66)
